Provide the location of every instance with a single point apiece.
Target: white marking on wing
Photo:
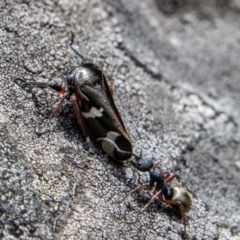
(93, 113)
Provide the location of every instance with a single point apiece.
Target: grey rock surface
(174, 67)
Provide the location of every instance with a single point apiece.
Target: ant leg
(137, 189)
(183, 215)
(157, 194)
(169, 177)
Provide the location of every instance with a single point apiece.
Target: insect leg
(56, 87)
(153, 198)
(169, 177)
(75, 103)
(137, 189)
(110, 88)
(57, 108)
(183, 215)
(78, 93)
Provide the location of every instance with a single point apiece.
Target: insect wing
(98, 108)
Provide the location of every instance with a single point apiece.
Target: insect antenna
(142, 142)
(79, 54)
(139, 156)
(143, 164)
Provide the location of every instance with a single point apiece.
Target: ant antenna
(140, 155)
(74, 50)
(137, 157)
(142, 164)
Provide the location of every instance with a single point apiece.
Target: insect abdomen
(117, 146)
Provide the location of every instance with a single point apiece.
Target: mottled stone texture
(174, 67)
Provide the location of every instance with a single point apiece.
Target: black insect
(160, 182)
(97, 115)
